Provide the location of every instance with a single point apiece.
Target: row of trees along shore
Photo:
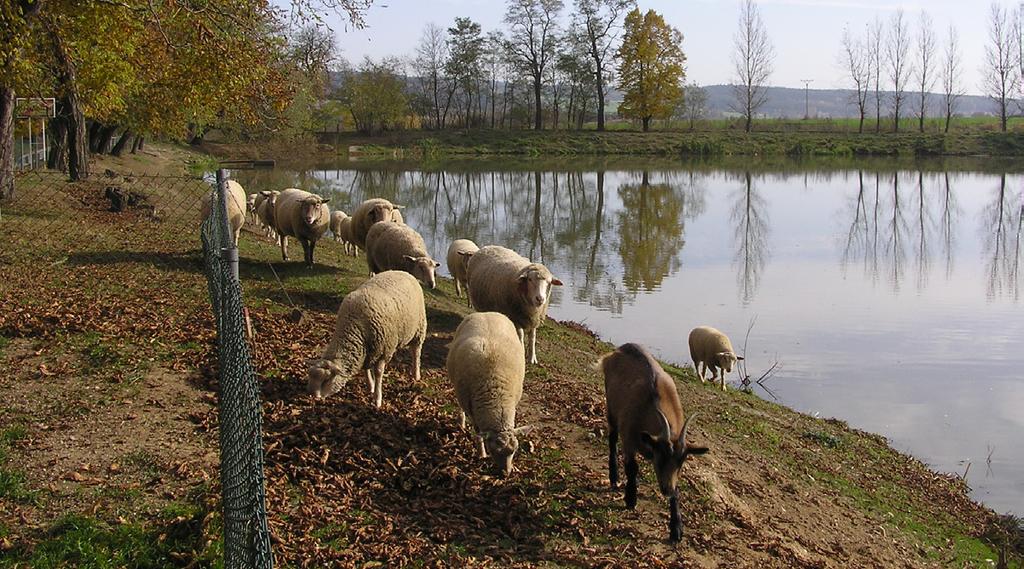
(123, 70)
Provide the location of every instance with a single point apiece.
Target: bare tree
(753, 59)
(951, 69)
(533, 30)
(925, 62)
(897, 55)
(875, 42)
(855, 58)
(431, 57)
(1000, 74)
(599, 20)
(315, 50)
(695, 102)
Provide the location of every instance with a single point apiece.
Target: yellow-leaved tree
(651, 67)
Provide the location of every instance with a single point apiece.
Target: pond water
(888, 292)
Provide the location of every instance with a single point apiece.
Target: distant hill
(785, 102)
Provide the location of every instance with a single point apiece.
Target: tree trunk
(646, 123)
(141, 142)
(600, 101)
(6, 142)
(58, 159)
(78, 148)
(948, 117)
(136, 144)
(94, 136)
(750, 122)
(106, 135)
(538, 119)
(126, 137)
(860, 128)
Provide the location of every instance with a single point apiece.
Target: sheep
(336, 217)
(643, 408)
(503, 281)
(459, 253)
(486, 366)
(713, 350)
(383, 314)
(395, 246)
(369, 212)
(265, 205)
(235, 207)
(302, 215)
(250, 207)
(345, 230)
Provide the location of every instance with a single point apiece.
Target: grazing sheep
(643, 408)
(384, 314)
(459, 253)
(336, 217)
(302, 215)
(713, 350)
(369, 212)
(396, 246)
(503, 281)
(235, 207)
(250, 207)
(265, 205)
(345, 229)
(486, 366)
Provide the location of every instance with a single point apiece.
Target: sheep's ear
(524, 430)
(466, 254)
(739, 358)
(334, 367)
(556, 282)
(396, 206)
(436, 264)
(266, 193)
(409, 258)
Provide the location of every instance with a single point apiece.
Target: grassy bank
(107, 347)
(677, 143)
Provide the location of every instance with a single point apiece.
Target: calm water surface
(888, 293)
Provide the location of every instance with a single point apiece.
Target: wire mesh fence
(89, 240)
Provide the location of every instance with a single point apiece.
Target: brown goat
(643, 408)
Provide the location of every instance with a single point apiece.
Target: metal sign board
(35, 107)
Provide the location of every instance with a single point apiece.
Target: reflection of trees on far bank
(1002, 221)
(888, 224)
(650, 233)
(749, 213)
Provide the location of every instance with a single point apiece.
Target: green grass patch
(14, 487)
(4, 342)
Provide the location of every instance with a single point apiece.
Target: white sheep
(503, 281)
(265, 205)
(250, 207)
(384, 314)
(396, 246)
(235, 207)
(345, 231)
(486, 366)
(302, 215)
(369, 212)
(336, 217)
(712, 350)
(643, 408)
(459, 254)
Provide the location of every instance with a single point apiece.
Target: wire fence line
(112, 219)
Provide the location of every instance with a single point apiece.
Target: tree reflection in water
(650, 233)
(1001, 226)
(749, 213)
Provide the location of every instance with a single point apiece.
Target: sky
(805, 33)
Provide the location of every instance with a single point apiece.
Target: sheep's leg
(721, 377)
(613, 453)
(533, 346)
(483, 447)
(417, 354)
(307, 251)
(675, 523)
(632, 468)
(369, 377)
(702, 370)
(380, 383)
(284, 246)
(458, 288)
(462, 421)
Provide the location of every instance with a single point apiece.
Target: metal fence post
(228, 247)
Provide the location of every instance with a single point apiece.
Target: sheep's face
(502, 447)
(380, 212)
(535, 286)
(422, 268)
(312, 210)
(324, 378)
(726, 361)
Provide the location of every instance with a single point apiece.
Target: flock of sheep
(487, 357)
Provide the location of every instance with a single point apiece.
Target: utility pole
(807, 107)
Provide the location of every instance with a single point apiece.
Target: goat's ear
(649, 439)
(556, 282)
(696, 450)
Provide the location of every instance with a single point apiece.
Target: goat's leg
(632, 468)
(613, 454)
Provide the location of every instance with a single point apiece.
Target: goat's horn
(686, 425)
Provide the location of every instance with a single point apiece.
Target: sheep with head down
(336, 218)
(459, 253)
(396, 246)
(302, 215)
(236, 207)
(711, 350)
(265, 204)
(501, 280)
(486, 366)
(382, 315)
